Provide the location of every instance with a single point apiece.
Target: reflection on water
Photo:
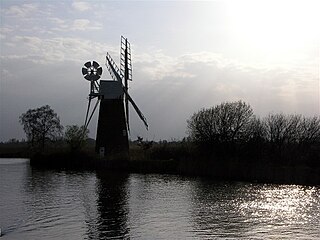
(38, 204)
(243, 210)
(213, 213)
(112, 206)
(283, 209)
(159, 207)
(59, 203)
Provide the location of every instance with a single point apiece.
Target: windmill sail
(113, 69)
(142, 117)
(115, 74)
(126, 70)
(125, 59)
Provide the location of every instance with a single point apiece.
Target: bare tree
(287, 129)
(76, 136)
(309, 130)
(227, 122)
(256, 130)
(41, 124)
(202, 126)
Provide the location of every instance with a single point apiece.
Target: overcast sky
(186, 55)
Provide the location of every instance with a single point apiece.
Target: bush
(224, 123)
(76, 136)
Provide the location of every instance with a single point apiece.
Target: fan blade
(84, 71)
(88, 77)
(88, 64)
(95, 64)
(99, 71)
(94, 77)
(144, 120)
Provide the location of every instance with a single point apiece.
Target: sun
(276, 28)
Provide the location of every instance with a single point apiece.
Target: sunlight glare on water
(46, 204)
(279, 209)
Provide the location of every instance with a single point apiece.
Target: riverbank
(220, 170)
(262, 165)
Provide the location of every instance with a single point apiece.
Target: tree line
(226, 141)
(42, 125)
(232, 128)
(228, 130)
(235, 122)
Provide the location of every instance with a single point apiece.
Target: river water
(43, 204)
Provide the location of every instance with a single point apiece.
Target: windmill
(113, 121)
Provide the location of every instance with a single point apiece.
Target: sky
(186, 55)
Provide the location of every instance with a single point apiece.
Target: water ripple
(84, 205)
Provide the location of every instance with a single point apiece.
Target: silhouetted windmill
(113, 121)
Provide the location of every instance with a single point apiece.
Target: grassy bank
(14, 150)
(264, 164)
(234, 163)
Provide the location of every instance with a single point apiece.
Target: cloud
(40, 18)
(74, 25)
(5, 30)
(158, 65)
(33, 42)
(5, 74)
(56, 20)
(81, 6)
(23, 10)
(59, 49)
(84, 25)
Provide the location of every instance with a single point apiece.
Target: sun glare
(279, 28)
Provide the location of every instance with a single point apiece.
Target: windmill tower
(113, 96)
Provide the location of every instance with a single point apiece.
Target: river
(47, 204)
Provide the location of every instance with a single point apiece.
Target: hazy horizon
(186, 55)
